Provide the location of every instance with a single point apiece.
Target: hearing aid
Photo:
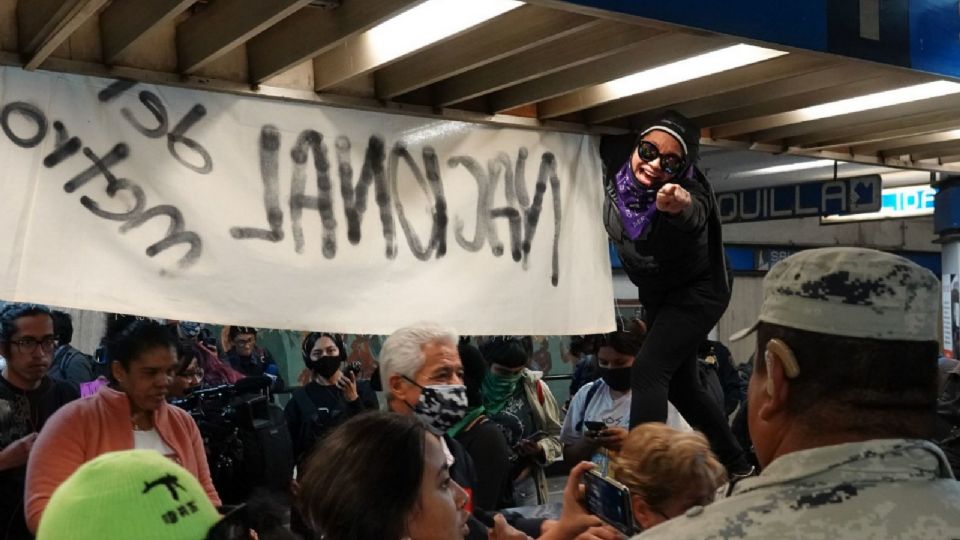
(787, 359)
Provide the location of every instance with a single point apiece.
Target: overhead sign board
(896, 203)
(917, 34)
(842, 196)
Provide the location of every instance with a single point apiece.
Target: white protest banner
(192, 205)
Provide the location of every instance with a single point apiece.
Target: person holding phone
(599, 414)
(659, 474)
(661, 215)
(521, 404)
(329, 398)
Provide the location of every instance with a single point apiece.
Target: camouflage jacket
(891, 488)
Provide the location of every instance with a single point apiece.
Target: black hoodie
(675, 251)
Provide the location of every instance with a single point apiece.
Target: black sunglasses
(670, 163)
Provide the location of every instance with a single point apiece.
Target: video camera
(246, 438)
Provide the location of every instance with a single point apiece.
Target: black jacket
(675, 251)
(21, 413)
(328, 401)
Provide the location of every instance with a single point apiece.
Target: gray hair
(402, 352)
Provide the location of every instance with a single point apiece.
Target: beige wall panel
(156, 50)
(85, 41)
(231, 66)
(299, 77)
(88, 328)
(742, 312)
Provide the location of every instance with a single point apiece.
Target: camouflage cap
(854, 292)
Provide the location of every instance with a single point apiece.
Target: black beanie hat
(681, 128)
(505, 351)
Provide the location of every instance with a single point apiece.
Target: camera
(355, 368)
(245, 437)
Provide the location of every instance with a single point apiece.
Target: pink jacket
(87, 428)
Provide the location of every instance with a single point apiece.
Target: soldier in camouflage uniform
(842, 395)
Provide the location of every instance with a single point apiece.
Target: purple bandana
(636, 203)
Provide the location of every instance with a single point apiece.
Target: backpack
(583, 413)
(64, 357)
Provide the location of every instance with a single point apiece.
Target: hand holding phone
(347, 383)
(594, 426)
(528, 447)
(612, 438)
(610, 501)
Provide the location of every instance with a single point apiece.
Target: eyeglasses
(244, 341)
(29, 345)
(670, 163)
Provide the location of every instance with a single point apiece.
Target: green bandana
(472, 415)
(496, 389)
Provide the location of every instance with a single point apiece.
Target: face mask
(440, 406)
(496, 389)
(325, 366)
(616, 378)
(636, 204)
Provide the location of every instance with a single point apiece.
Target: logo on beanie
(168, 481)
(172, 483)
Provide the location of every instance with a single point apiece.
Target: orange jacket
(87, 428)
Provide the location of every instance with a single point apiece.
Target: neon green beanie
(129, 495)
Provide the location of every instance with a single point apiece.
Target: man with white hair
(421, 373)
(841, 403)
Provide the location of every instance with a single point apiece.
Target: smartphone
(610, 501)
(533, 437)
(594, 426)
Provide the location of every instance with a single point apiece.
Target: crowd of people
(840, 435)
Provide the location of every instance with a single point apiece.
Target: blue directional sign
(896, 203)
(842, 196)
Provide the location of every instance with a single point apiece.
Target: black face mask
(325, 366)
(616, 378)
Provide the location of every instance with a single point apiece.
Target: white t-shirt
(613, 410)
(150, 440)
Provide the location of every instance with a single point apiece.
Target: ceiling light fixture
(878, 100)
(687, 69)
(428, 23)
(790, 167)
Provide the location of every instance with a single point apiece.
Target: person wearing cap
(841, 402)
(661, 215)
(139, 494)
(129, 494)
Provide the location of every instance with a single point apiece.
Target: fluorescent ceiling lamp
(792, 167)
(687, 69)
(428, 23)
(880, 99)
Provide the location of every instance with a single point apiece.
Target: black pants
(666, 368)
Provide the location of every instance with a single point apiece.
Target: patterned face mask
(440, 405)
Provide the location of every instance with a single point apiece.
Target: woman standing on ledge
(661, 215)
